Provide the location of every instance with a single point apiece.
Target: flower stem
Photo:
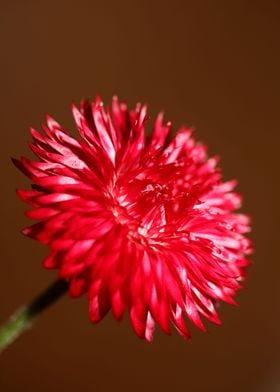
(22, 319)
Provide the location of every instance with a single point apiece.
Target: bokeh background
(211, 64)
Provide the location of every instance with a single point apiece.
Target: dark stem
(22, 319)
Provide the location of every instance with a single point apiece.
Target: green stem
(22, 319)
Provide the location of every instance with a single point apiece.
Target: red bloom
(136, 222)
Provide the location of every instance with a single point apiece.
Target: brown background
(211, 64)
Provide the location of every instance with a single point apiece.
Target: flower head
(136, 222)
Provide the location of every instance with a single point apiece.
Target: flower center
(156, 193)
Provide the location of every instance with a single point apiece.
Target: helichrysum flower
(136, 222)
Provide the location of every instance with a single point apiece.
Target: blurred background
(209, 64)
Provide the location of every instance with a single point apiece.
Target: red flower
(136, 222)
